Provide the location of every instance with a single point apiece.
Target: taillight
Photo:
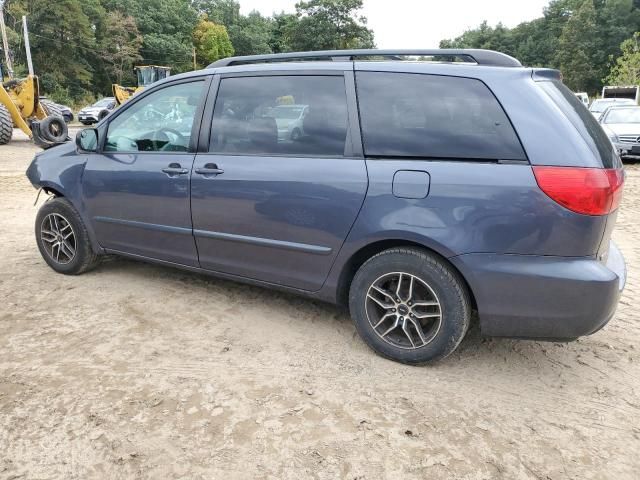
(589, 191)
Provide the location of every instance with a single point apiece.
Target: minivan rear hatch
(588, 191)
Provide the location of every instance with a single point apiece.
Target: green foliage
(211, 42)
(329, 24)
(626, 70)
(576, 47)
(576, 36)
(120, 44)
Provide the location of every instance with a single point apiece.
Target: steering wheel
(163, 135)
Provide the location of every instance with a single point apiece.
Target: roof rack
(476, 56)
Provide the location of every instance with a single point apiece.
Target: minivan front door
(137, 188)
(280, 188)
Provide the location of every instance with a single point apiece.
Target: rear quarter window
(583, 120)
(431, 116)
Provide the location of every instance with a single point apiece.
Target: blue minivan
(420, 186)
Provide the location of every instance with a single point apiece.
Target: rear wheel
(6, 125)
(409, 305)
(62, 238)
(51, 108)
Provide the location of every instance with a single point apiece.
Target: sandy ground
(140, 371)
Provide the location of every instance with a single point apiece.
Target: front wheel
(62, 238)
(409, 305)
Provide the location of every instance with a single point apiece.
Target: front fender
(59, 170)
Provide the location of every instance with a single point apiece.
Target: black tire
(6, 125)
(296, 134)
(436, 278)
(51, 108)
(83, 258)
(103, 114)
(87, 123)
(54, 129)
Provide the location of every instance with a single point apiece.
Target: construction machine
(20, 103)
(146, 75)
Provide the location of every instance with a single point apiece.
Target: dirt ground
(140, 371)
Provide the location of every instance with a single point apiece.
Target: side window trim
(353, 142)
(197, 119)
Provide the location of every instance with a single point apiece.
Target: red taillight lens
(589, 191)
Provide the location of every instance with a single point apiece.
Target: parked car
(96, 112)
(599, 105)
(58, 108)
(584, 98)
(412, 209)
(622, 124)
(289, 120)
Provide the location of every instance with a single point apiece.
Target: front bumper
(628, 149)
(543, 297)
(87, 117)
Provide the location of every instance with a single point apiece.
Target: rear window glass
(430, 116)
(583, 121)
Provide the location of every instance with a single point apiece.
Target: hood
(623, 128)
(283, 123)
(91, 110)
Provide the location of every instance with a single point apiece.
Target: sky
(423, 23)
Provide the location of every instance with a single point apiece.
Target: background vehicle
(599, 105)
(146, 75)
(289, 120)
(584, 98)
(622, 124)
(630, 92)
(411, 209)
(96, 112)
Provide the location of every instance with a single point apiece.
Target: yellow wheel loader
(146, 75)
(20, 106)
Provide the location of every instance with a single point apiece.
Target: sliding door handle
(174, 169)
(209, 169)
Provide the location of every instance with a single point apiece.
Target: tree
(211, 41)
(121, 44)
(626, 70)
(166, 27)
(329, 24)
(576, 48)
(61, 44)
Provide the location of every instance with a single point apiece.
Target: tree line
(81, 47)
(592, 42)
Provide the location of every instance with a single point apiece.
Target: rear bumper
(543, 297)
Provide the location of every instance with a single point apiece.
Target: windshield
(289, 113)
(601, 105)
(105, 102)
(623, 115)
(149, 75)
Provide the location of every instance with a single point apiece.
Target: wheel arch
(364, 253)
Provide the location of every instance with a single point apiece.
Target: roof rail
(477, 56)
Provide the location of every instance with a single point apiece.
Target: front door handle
(175, 169)
(209, 169)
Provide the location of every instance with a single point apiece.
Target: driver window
(160, 122)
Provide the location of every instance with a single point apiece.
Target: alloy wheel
(58, 238)
(403, 310)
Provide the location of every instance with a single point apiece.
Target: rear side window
(280, 115)
(583, 121)
(429, 116)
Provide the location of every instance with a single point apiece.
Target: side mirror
(87, 140)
